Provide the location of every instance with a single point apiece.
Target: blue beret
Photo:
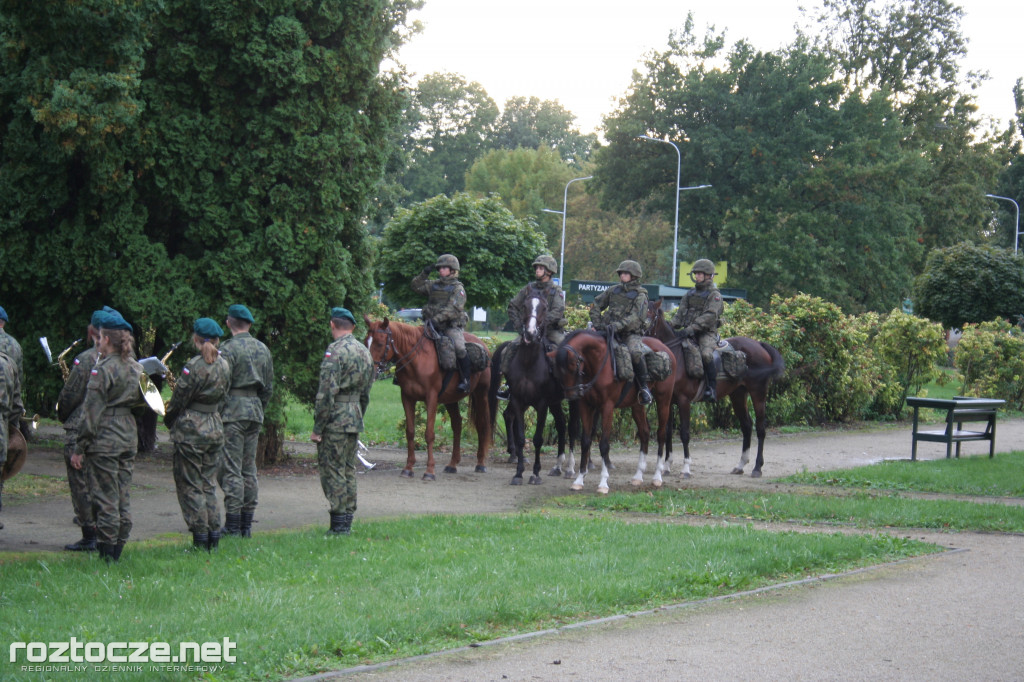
(115, 321)
(343, 314)
(207, 328)
(109, 310)
(98, 318)
(3, 314)
(240, 312)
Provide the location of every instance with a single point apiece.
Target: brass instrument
(171, 380)
(64, 369)
(151, 395)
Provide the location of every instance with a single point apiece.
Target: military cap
(109, 310)
(342, 314)
(3, 314)
(115, 321)
(98, 317)
(240, 312)
(207, 328)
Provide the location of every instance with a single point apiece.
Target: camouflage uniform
(193, 416)
(624, 309)
(10, 347)
(346, 375)
(11, 407)
(69, 411)
(108, 438)
(518, 314)
(446, 306)
(252, 385)
(698, 314)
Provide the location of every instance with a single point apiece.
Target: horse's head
(381, 343)
(570, 364)
(536, 312)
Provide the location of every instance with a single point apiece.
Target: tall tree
(530, 123)
(966, 283)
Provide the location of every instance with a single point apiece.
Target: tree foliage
(990, 359)
(970, 284)
(495, 249)
(531, 123)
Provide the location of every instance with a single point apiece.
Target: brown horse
(584, 368)
(764, 363)
(421, 379)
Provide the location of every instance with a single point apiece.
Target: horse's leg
(538, 441)
(760, 401)
(409, 405)
(510, 425)
(575, 431)
(559, 417)
(428, 435)
(684, 433)
(643, 434)
(738, 398)
(607, 415)
(519, 437)
(588, 416)
(479, 413)
(664, 407)
(456, 417)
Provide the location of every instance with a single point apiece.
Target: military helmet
(703, 265)
(546, 261)
(447, 260)
(630, 266)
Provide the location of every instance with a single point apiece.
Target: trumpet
(171, 379)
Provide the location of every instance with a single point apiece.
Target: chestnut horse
(764, 363)
(584, 368)
(420, 378)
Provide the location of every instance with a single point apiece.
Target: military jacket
(108, 425)
(11, 407)
(553, 298)
(446, 300)
(624, 308)
(346, 375)
(252, 378)
(699, 310)
(12, 349)
(69, 404)
(193, 414)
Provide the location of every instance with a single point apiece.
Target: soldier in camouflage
(623, 309)
(108, 436)
(446, 308)
(11, 407)
(697, 318)
(544, 268)
(346, 375)
(10, 346)
(193, 416)
(252, 385)
(69, 411)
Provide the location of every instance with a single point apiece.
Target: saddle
(477, 352)
(730, 364)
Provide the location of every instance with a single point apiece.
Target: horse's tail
(766, 373)
(479, 414)
(492, 391)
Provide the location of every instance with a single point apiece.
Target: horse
(583, 365)
(421, 379)
(531, 384)
(764, 363)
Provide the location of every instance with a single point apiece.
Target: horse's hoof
(451, 470)
(512, 459)
(569, 475)
(517, 480)
(480, 469)
(429, 477)
(406, 473)
(602, 491)
(686, 475)
(754, 474)
(576, 487)
(536, 480)
(737, 471)
(657, 483)
(555, 472)
(636, 481)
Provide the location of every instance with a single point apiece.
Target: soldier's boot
(642, 377)
(87, 543)
(710, 383)
(115, 552)
(201, 540)
(503, 393)
(346, 524)
(464, 373)
(214, 540)
(231, 524)
(338, 524)
(245, 525)
(103, 551)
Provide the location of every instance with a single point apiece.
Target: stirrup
(503, 392)
(645, 396)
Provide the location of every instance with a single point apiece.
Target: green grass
(296, 603)
(1001, 476)
(384, 420)
(859, 509)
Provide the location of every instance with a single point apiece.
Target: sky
(583, 52)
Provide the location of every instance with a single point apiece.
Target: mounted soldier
(624, 308)
(544, 268)
(698, 317)
(446, 308)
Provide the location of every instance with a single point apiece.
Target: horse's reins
(399, 361)
(580, 389)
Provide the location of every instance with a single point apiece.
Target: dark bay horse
(419, 376)
(531, 384)
(764, 363)
(584, 368)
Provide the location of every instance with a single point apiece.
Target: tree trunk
(270, 448)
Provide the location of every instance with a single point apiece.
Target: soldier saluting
(446, 308)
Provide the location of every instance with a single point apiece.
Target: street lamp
(1016, 229)
(679, 168)
(565, 205)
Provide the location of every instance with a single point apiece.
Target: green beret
(240, 312)
(115, 321)
(107, 309)
(98, 318)
(3, 314)
(207, 328)
(342, 314)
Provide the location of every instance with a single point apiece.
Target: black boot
(644, 394)
(103, 550)
(115, 552)
(231, 524)
(214, 540)
(464, 372)
(87, 543)
(201, 540)
(346, 524)
(338, 524)
(503, 393)
(245, 526)
(710, 383)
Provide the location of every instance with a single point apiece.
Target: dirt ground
(956, 616)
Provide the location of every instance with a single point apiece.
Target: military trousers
(110, 477)
(78, 482)
(237, 473)
(195, 472)
(336, 458)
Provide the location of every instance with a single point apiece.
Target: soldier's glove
(427, 269)
(686, 333)
(615, 327)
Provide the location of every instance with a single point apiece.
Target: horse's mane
(405, 332)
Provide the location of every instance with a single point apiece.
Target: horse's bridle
(399, 361)
(580, 389)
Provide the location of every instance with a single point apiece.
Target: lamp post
(675, 233)
(565, 206)
(1016, 228)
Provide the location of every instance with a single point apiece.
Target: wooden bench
(958, 410)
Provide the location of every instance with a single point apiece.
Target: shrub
(990, 359)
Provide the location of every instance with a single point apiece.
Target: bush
(990, 359)
(910, 351)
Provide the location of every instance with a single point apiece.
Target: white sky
(583, 52)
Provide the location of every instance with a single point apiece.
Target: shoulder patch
(327, 354)
(77, 361)
(184, 370)
(94, 371)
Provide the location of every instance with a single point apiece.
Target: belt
(243, 392)
(117, 411)
(204, 407)
(346, 399)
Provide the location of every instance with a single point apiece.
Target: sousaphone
(151, 395)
